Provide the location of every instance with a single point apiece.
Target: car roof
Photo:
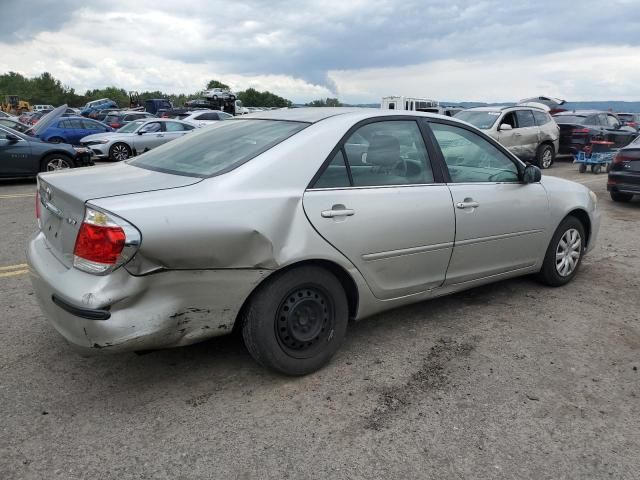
(308, 114)
(581, 113)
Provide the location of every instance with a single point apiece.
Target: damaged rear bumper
(122, 312)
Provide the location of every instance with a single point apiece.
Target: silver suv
(530, 133)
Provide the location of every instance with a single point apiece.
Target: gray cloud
(308, 40)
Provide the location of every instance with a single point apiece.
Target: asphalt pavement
(511, 380)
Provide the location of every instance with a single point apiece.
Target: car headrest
(384, 151)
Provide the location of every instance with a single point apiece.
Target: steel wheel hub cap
(568, 252)
(546, 158)
(304, 319)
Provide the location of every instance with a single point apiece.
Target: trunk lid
(63, 196)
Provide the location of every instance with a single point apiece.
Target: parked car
(624, 173)
(25, 156)
(219, 94)
(62, 129)
(530, 133)
(135, 137)
(630, 120)
(578, 128)
(551, 104)
(118, 120)
(31, 118)
(100, 115)
(92, 108)
(14, 124)
(201, 118)
(177, 113)
(39, 108)
(228, 228)
(157, 105)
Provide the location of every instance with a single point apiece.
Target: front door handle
(467, 204)
(337, 211)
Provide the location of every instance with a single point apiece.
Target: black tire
(596, 169)
(56, 161)
(119, 152)
(582, 168)
(621, 197)
(56, 140)
(549, 273)
(296, 321)
(545, 156)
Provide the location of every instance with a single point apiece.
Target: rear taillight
(104, 242)
(580, 131)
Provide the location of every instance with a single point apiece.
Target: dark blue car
(70, 130)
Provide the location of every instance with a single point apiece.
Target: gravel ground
(511, 380)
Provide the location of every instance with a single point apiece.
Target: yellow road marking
(14, 267)
(18, 195)
(13, 274)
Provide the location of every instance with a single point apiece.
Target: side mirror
(140, 132)
(11, 138)
(505, 126)
(532, 174)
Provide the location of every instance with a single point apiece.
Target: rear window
(218, 149)
(569, 119)
(626, 116)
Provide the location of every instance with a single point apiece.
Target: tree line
(46, 89)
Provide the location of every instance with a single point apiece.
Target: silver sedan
(134, 138)
(287, 224)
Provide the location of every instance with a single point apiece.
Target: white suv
(529, 133)
(39, 108)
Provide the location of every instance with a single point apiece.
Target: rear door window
(525, 118)
(541, 118)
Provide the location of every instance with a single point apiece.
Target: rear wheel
(596, 169)
(564, 253)
(295, 322)
(545, 156)
(119, 152)
(582, 168)
(621, 197)
(56, 161)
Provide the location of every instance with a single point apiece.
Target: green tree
(325, 102)
(253, 98)
(217, 84)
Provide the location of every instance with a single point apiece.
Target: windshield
(218, 149)
(131, 126)
(569, 119)
(482, 120)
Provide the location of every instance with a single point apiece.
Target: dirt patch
(432, 376)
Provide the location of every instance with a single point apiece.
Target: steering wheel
(401, 167)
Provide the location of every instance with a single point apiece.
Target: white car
(39, 108)
(135, 138)
(219, 93)
(201, 118)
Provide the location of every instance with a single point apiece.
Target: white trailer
(407, 103)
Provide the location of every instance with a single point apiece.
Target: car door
(385, 209)
(508, 137)
(149, 136)
(527, 135)
(15, 156)
(175, 130)
(500, 221)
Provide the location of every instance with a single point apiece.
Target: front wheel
(296, 321)
(56, 161)
(564, 253)
(119, 152)
(545, 156)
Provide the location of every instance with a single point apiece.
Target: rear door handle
(338, 212)
(467, 204)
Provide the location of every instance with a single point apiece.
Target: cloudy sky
(456, 50)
